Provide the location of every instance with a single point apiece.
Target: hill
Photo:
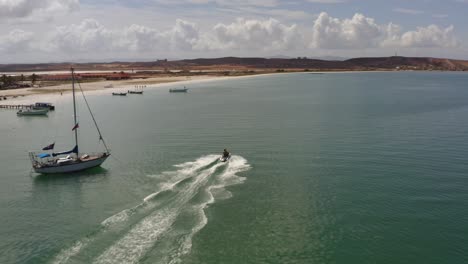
(267, 64)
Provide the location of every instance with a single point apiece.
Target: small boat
(121, 94)
(135, 92)
(109, 86)
(178, 90)
(54, 162)
(33, 112)
(44, 105)
(138, 89)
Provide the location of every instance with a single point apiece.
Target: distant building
(118, 76)
(79, 76)
(58, 77)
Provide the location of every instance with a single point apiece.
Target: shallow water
(327, 168)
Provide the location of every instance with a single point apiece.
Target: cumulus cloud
(259, 3)
(135, 38)
(88, 35)
(257, 35)
(17, 40)
(245, 37)
(363, 32)
(333, 33)
(24, 9)
(92, 36)
(429, 37)
(185, 36)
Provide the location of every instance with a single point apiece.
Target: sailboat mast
(74, 110)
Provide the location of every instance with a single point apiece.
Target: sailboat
(57, 162)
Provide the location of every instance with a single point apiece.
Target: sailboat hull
(70, 167)
(33, 112)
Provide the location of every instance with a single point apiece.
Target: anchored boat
(178, 90)
(135, 92)
(49, 106)
(72, 160)
(32, 112)
(138, 89)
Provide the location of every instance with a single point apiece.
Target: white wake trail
(159, 213)
(229, 177)
(171, 179)
(186, 170)
(142, 237)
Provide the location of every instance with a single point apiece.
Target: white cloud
(260, 35)
(262, 3)
(183, 36)
(16, 41)
(278, 13)
(392, 36)
(136, 38)
(233, 3)
(362, 32)
(92, 40)
(326, 1)
(430, 37)
(91, 36)
(333, 33)
(408, 11)
(30, 9)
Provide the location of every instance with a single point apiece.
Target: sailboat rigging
(74, 161)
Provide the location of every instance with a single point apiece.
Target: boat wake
(161, 228)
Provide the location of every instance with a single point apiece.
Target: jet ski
(224, 159)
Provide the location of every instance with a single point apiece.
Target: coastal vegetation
(15, 82)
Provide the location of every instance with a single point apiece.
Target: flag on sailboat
(49, 147)
(75, 127)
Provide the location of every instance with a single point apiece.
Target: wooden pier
(16, 106)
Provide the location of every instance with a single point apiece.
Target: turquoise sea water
(327, 168)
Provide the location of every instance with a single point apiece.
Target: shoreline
(26, 96)
(31, 95)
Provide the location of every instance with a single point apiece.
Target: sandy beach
(50, 93)
(26, 96)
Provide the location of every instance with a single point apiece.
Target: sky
(44, 31)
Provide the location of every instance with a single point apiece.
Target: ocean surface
(327, 168)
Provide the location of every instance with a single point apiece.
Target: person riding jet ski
(226, 155)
